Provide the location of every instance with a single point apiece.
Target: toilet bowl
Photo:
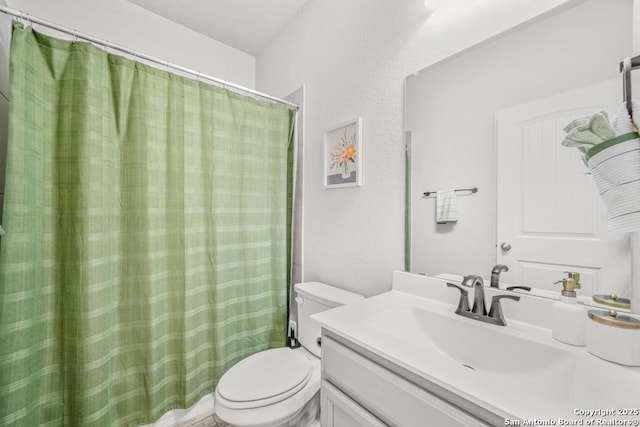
(274, 387)
(281, 386)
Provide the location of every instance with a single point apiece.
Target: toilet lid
(266, 377)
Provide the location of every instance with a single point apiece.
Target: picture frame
(343, 155)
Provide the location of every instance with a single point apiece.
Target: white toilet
(281, 386)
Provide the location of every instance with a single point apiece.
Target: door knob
(505, 246)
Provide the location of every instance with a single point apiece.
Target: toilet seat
(264, 378)
(276, 414)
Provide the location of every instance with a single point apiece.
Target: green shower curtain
(146, 245)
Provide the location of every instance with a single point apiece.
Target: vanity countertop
(516, 372)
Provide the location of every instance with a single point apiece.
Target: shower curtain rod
(107, 45)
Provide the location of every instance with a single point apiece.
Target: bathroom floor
(208, 421)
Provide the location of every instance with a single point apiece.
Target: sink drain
(468, 366)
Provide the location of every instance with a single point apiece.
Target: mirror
(462, 116)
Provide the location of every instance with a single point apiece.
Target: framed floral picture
(343, 155)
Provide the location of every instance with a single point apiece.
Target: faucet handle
(463, 303)
(496, 309)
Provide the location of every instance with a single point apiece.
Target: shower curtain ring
(167, 66)
(107, 47)
(29, 20)
(75, 36)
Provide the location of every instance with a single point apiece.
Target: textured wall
(128, 25)
(352, 57)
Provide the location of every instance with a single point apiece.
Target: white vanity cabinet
(339, 410)
(357, 391)
(405, 358)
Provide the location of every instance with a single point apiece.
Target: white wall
(352, 57)
(131, 26)
(450, 109)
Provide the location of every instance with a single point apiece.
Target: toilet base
(307, 416)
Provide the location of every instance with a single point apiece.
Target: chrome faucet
(479, 310)
(477, 284)
(495, 274)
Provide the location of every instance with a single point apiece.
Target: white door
(550, 216)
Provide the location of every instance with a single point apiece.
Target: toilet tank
(312, 298)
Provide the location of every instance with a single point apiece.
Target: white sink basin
(486, 351)
(469, 342)
(514, 371)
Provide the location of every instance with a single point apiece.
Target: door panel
(548, 208)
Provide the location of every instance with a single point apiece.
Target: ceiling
(246, 25)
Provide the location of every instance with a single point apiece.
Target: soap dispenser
(575, 276)
(569, 318)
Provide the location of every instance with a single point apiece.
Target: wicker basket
(615, 167)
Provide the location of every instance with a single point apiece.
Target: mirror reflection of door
(550, 217)
(450, 112)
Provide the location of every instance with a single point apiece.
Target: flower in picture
(343, 155)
